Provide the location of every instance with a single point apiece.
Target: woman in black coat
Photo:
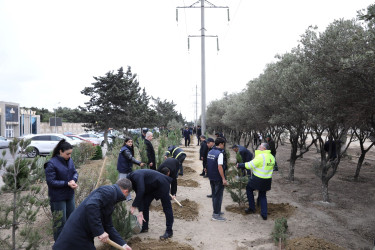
(61, 177)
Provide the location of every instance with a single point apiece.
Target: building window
(9, 131)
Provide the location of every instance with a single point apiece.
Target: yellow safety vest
(262, 164)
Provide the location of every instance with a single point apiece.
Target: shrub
(98, 153)
(82, 153)
(237, 182)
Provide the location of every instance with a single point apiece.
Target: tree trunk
(14, 222)
(291, 169)
(325, 190)
(359, 165)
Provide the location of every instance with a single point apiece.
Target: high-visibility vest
(262, 164)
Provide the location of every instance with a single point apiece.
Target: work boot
(166, 235)
(209, 196)
(144, 230)
(203, 173)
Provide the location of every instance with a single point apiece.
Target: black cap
(210, 140)
(235, 146)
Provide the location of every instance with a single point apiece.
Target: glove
(241, 165)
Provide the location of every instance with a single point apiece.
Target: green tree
(165, 112)
(21, 179)
(115, 102)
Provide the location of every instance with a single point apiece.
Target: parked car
(95, 138)
(4, 142)
(80, 139)
(43, 144)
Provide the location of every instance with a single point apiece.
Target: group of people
(75, 228)
(259, 169)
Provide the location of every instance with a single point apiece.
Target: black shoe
(180, 174)
(249, 211)
(144, 230)
(264, 217)
(209, 196)
(166, 236)
(203, 174)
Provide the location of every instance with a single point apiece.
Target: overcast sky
(50, 50)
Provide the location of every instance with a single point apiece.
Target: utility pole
(203, 52)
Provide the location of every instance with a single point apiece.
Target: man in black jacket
(150, 150)
(203, 153)
(177, 153)
(172, 165)
(93, 218)
(149, 185)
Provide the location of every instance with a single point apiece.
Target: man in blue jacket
(215, 171)
(93, 218)
(245, 154)
(149, 185)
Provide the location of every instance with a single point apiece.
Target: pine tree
(142, 149)
(237, 182)
(22, 179)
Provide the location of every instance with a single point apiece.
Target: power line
(203, 54)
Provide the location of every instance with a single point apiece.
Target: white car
(43, 144)
(4, 142)
(95, 138)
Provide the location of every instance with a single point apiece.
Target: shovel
(114, 244)
(176, 201)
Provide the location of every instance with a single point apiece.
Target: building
(16, 122)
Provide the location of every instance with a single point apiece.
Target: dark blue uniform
(92, 218)
(148, 185)
(172, 164)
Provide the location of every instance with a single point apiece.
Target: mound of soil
(187, 183)
(274, 210)
(310, 242)
(137, 244)
(188, 211)
(189, 170)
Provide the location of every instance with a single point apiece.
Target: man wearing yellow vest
(261, 179)
(177, 153)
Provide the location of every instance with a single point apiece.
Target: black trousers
(167, 208)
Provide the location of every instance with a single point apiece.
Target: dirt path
(346, 223)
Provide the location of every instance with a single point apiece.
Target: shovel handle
(114, 244)
(176, 200)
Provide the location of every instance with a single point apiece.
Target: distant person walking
(186, 134)
(62, 178)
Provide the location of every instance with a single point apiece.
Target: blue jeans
(262, 198)
(120, 176)
(217, 189)
(61, 210)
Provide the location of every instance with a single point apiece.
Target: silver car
(43, 144)
(4, 142)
